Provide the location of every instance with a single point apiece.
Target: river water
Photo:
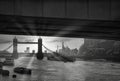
(59, 71)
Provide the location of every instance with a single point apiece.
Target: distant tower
(57, 48)
(40, 54)
(28, 50)
(33, 51)
(15, 52)
(63, 45)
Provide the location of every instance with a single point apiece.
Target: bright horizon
(48, 41)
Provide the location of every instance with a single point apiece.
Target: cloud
(29, 40)
(61, 40)
(25, 38)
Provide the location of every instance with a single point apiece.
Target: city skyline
(49, 42)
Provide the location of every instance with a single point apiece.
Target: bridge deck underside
(62, 27)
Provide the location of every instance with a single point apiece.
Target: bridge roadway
(27, 42)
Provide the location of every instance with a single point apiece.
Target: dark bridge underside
(62, 27)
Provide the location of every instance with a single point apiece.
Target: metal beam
(27, 42)
(62, 27)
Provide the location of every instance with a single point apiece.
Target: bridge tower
(40, 55)
(15, 52)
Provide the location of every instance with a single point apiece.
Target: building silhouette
(67, 51)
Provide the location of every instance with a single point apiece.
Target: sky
(49, 42)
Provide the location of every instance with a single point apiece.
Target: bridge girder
(61, 27)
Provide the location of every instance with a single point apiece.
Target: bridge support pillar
(15, 52)
(40, 55)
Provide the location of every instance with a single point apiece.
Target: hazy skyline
(49, 42)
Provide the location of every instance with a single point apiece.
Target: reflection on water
(58, 71)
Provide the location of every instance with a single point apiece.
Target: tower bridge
(15, 46)
(40, 55)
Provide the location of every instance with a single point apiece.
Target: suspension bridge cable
(55, 53)
(47, 48)
(8, 47)
(59, 56)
